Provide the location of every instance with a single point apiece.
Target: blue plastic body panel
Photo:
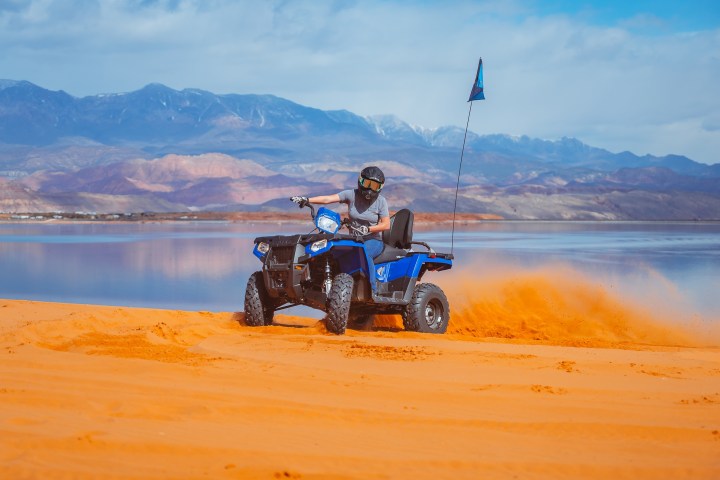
(257, 253)
(350, 255)
(406, 267)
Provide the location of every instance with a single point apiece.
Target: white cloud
(635, 85)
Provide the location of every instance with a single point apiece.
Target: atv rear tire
(258, 305)
(428, 310)
(338, 303)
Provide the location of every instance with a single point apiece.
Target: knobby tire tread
(257, 312)
(413, 314)
(339, 303)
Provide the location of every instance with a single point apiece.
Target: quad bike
(329, 271)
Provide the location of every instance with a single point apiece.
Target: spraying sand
(513, 390)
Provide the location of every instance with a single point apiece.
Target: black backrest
(401, 228)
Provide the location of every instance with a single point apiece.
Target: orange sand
(93, 392)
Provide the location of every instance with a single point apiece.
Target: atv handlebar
(305, 203)
(351, 228)
(345, 221)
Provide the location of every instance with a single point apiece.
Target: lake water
(204, 266)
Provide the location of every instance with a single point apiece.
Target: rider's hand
(301, 201)
(362, 230)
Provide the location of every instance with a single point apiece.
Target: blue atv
(329, 271)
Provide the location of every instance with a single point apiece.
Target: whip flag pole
(477, 93)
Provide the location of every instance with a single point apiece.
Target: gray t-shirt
(364, 212)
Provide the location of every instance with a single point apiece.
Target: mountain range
(159, 149)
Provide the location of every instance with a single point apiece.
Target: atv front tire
(428, 310)
(258, 305)
(338, 303)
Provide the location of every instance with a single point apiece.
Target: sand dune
(590, 389)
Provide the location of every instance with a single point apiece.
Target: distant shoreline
(265, 217)
(421, 218)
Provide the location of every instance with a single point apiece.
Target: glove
(301, 201)
(362, 230)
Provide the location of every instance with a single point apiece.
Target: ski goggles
(373, 185)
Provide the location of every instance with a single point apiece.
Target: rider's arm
(383, 224)
(325, 199)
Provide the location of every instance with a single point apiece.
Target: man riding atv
(372, 270)
(367, 208)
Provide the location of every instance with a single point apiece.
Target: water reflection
(204, 266)
(163, 265)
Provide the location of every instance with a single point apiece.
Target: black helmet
(370, 182)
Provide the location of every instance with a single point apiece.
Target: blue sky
(677, 16)
(622, 75)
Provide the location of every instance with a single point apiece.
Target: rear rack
(432, 253)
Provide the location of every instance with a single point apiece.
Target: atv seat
(397, 240)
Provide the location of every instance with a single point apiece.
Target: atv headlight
(319, 245)
(263, 247)
(327, 224)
